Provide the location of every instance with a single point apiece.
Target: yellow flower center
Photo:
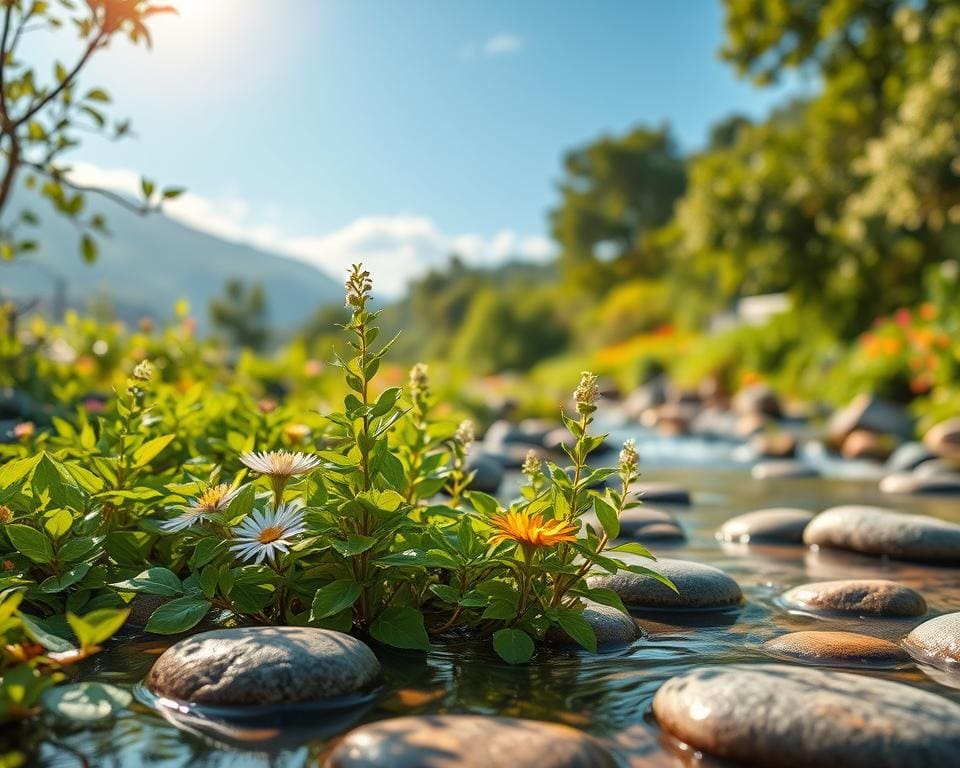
(269, 534)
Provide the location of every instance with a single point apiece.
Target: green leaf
(98, 94)
(88, 249)
(58, 523)
(633, 548)
(514, 646)
(153, 581)
(335, 597)
(578, 628)
(401, 627)
(608, 518)
(66, 579)
(96, 626)
(30, 542)
(85, 702)
(385, 402)
(39, 634)
(150, 450)
(177, 616)
(354, 545)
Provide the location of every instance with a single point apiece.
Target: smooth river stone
(862, 597)
(644, 524)
(611, 626)
(910, 483)
(782, 716)
(467, 741)
(878, 531)
(937, 641)
(782, 469)
(838, 649)
(779, 525)
(700, 586)
(263, 665)
(662, 493)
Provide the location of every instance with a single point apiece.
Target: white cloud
(501, 44)
(395, 248)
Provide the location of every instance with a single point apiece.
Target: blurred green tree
(616, 192)
(41, 122)
(241, 314)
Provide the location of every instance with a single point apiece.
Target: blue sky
(395, 131)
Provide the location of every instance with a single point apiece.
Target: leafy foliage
(40, 122)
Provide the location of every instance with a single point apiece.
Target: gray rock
(878, 531)
(870, 413)
(528, 433)
(467, 741)
(847, 649)
(782, 469)
(908, 456)
(645, 523)
(699, 586)
(912, 484)
(662, 493)
(785, 716)
(489, 471)
(934, 467)
(779, 525)
(757, 398)
(263, 665)
(861, 597)
(645, 397)
(937, 641)
(611, 626)
(944, 439)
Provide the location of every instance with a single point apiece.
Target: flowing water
(608, 694)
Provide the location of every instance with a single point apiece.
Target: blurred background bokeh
(692, 197)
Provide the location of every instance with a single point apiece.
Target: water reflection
(608, 694)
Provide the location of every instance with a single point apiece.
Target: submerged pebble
(610, 625)
(263, 666)
(699, 586)
(911, 483)
(861, 597)
(780, 469)
(878, 531)
(937, 641)
(467, 741)
(794, 717)
(837, 649)
(779, 525)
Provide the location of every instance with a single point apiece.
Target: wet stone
(861, 597)
(467, 741)
(794, 717)
(662, 493)
(781, 469)
(937, 641)
(779, 525)
(611, 626)
(700, 586)
(913, 484)
(489, 472)
(878, 531)
(909, 456)
(847, 649)
(263, 666)
(643, 524)
(944, 439)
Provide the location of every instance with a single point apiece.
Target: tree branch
(57, 176)
(66, 82)
(3, 64)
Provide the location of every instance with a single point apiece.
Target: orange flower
(531, 530)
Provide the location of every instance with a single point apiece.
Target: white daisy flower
(280, 466)
(280, 463)
(266, 532)
(213, 500)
